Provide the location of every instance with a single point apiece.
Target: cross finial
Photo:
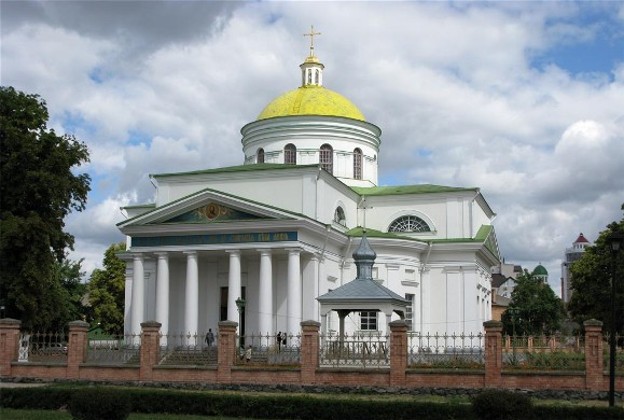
(311, 34)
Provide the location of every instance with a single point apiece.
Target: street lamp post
(615, 240)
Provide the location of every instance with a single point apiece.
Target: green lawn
(10, 414)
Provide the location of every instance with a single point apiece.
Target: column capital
(138, 256)
(264, 251)
(292, 251)
(233, 251)
(161, 254)
(189, 253)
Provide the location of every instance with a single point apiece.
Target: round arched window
(409, 224)
(339, 216)
(260, 156)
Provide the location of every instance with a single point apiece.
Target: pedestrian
(279, 340)
(209, 337)
(248, 354)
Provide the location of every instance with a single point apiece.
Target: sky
(524, 100)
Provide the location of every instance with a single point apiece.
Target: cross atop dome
(311, 68)
(311, 34)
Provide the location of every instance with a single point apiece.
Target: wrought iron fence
(188, 349)
(43, 347)
(548, 352)
(445, 351)
(361, 349)
(114, 349)
(268, 349)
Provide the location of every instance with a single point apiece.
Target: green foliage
(591, 282)
(497, 404)
(534, 308)
(100, 404)
(38, 189)
(493, 403)
(106, 291)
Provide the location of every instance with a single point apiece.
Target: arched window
(339, 216)
(290, 154)
(260, 156)
(326, 158)
(409, 224)
(357, 164)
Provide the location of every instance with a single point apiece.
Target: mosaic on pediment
(211, 213)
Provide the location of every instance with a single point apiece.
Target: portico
(206, 285)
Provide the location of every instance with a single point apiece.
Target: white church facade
(260, 242)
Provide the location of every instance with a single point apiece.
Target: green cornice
(239, 168)
(410, 189)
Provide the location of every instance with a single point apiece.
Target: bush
(502, 405)
(100, 404)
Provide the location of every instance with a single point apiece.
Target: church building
(260, 242)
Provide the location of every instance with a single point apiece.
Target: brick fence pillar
(150, 349)
(493, 353)
(594, 377)
(227, 351)
(76, 348)
(309, 351)
(398, 352)
(9, 344)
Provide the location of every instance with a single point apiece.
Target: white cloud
(453, 87)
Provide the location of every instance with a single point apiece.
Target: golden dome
(311, 100)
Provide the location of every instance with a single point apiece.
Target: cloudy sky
(524, 100)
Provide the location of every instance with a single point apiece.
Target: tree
(107, 291)
(534, 308)
(38, 189)
(591, 281)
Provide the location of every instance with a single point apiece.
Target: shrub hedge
(285, 406)
(99, 404)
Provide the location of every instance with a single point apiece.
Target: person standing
(209, 337)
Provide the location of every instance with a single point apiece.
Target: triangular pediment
(208, 207)
(211, 212)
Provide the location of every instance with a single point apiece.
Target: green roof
(372, 233)
(410, 189)
(540, 270)
(239, 168)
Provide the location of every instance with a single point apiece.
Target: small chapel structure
(260, 242)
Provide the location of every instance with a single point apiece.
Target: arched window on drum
(290, 154)
(326, 158)
(357, 164)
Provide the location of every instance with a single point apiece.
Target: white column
(138, 292)
(294, 291)
(265, 296)
(315, 260)
(234, 285)
(162, 292)
(191, 295)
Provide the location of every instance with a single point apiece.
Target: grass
(10, 414)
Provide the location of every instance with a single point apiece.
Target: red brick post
(309, 351)
(594, 376)
(493, 353)
(9, 344)
(227, 351)
(398, 352)
(150, 349)
(76, 348)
